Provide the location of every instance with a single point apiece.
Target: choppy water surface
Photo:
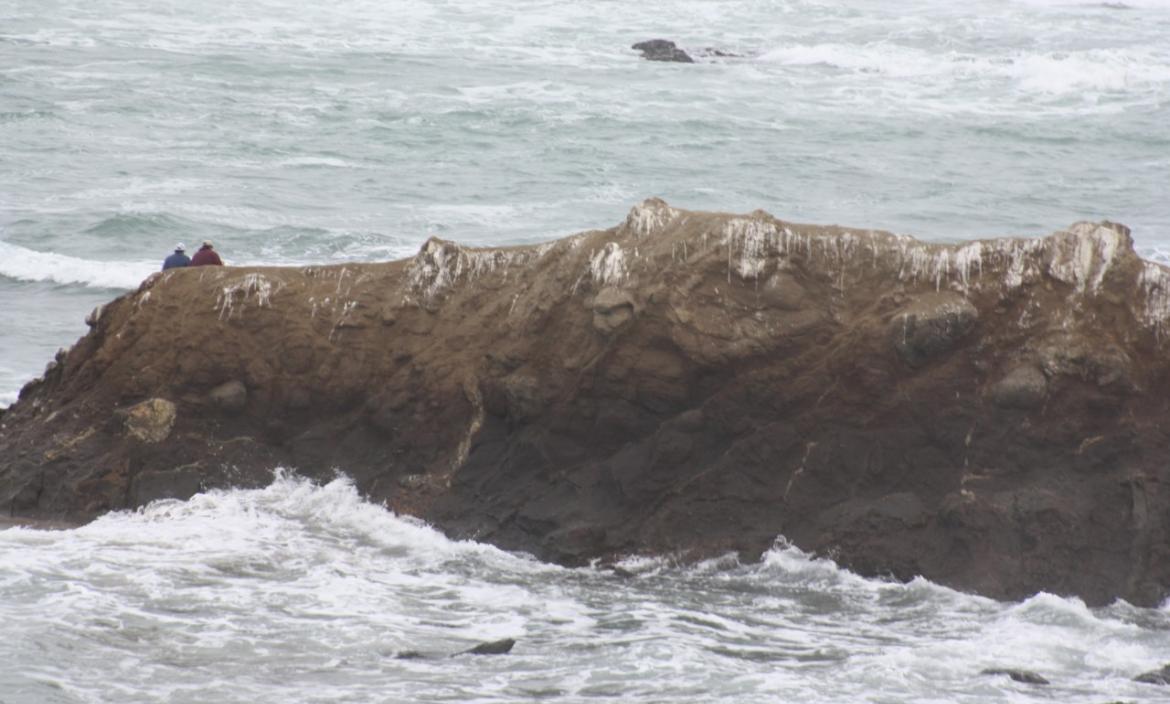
(305, 593)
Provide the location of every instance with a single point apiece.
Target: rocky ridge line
(990, 415)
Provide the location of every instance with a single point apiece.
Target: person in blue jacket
(177, 259)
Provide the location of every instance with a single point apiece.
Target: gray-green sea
(353, 130)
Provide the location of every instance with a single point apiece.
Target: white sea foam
(24, 264)
(1054, 73)
(1116, 5)
(303, 590)
(880, 58)
(131, 187)
(1063, 73)
(30, 265)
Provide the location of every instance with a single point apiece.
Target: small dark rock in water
(662, 50)
(410, 655)
(1161, 676)
(719, 53)
(622, 572)
(496, 647)
(1024, 676)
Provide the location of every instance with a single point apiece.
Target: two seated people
(206, 256)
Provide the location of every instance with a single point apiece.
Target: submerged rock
(685, 382)
(662, 50)
(495, 647)
(180, 483)
(719, 53)
(410, 655)
(1023, 676)
(1160, 676)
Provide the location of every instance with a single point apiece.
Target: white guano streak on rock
(1019, 259)
(608, 266)
(1082, 258)
(792, 242)
(1084, 261)
(961, 265)
(346, 308)
(967, 258)
(1154, 285)
(250, 285)
(648, 216)
(431, 270)
(475, 398)
(95, 315)
(919, 261)
(441, 265)
(749, 243)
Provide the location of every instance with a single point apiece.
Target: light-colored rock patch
(151, 421)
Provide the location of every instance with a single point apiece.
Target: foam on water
(28, 265)
(1046, 76)
(306, 592)
(22, 264)
(1098, 5)
(1111, 70)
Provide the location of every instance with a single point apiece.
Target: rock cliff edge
(991, 415)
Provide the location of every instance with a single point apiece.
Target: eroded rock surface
(150, 420)
(994, 415)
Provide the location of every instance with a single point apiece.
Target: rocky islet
(990, 415)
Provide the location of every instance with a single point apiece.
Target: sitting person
(206, 256)
(178, 259)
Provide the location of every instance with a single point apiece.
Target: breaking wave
(1054, 73)
(24, 264)
(299, 590)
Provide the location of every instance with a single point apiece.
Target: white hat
(179, 247)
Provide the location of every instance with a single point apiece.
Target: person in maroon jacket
(206, 256)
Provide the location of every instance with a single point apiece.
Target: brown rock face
(994, 416)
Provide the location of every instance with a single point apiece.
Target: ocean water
(304, 593)
(292, 132)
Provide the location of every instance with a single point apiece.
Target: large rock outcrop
(993, 415)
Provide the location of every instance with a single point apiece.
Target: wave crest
(1052, 73)
(24, 264)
